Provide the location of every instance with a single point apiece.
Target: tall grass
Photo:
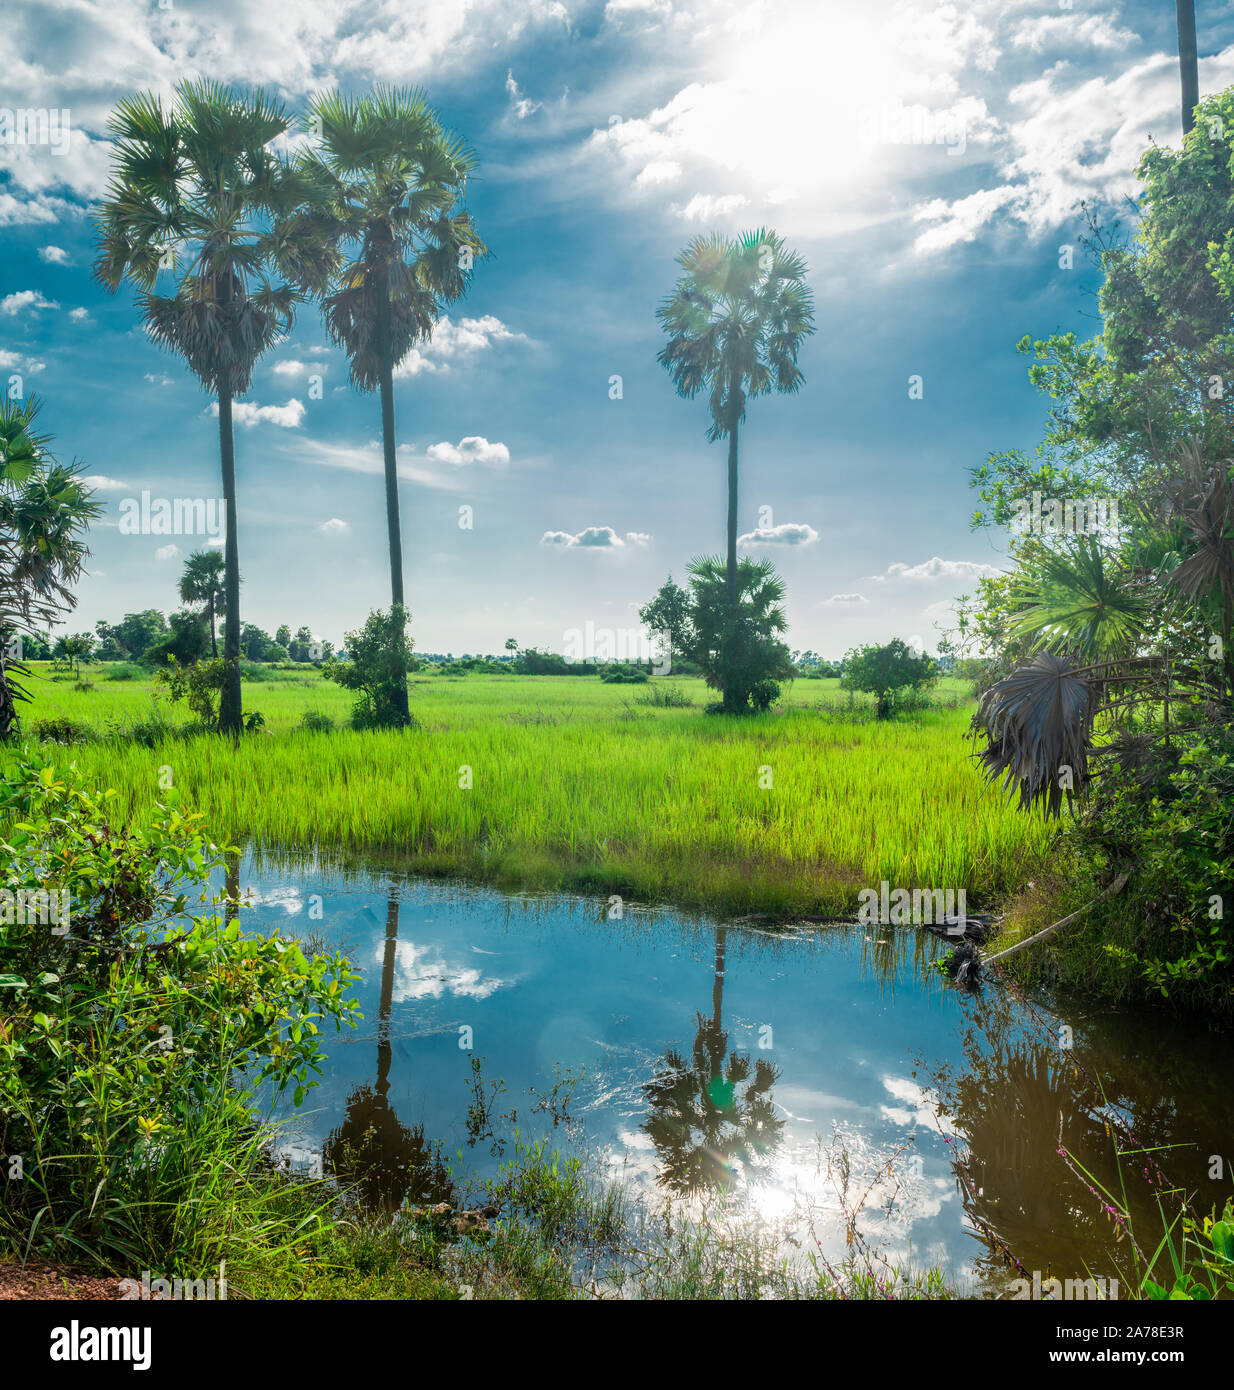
(573, 787)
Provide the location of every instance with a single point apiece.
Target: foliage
(667, 616)
(200, 684)
(136, 1015)
(740, 651)
(887, 671)
(381, 655)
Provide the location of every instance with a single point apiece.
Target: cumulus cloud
(13, 304)
(158, 379)
(474, 448)
(289, 366)
(787, 533)
(53, 255)
(167, 552)
(592, 538)
(704, 206)
(248, 414)
(837, 599)
(936, 568)
(334, 527)
(17, 361)
(102, 483)
(456, 340)
(79, 315)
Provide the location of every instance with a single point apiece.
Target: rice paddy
(567, 782)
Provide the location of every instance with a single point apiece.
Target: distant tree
(740, 653)
(108, 646)
(283, 636)
(74, 649)
(137, 630)
(186, 640)
(300, 644)
(202, 585)
(887, 671)
(255, 644)
(512, 644)
(667, 616)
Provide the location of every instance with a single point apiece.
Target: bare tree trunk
(1188, 61)
(730, 574)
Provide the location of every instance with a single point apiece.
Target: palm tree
(395, 180)
(202, 584)
(44, 507)
(197, 191)
(1188, 63)
(735, 323)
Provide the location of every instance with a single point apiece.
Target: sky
(927, 160)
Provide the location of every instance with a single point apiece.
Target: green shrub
(135, 1025)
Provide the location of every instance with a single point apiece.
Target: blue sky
(928, 160)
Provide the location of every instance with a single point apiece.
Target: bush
(665, 697)
(740, 652)
(315, 722)
(60, 729)
(381, 656)
(624, 675)
(126, 1019)
(893, 673)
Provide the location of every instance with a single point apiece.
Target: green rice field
(567, 782)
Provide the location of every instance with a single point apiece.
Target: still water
(685, 1056)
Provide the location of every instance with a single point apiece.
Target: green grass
(575, 785)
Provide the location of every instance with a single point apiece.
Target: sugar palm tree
(201, 584)
(735, 323)
(44, 508)
(198, 193)
(395, 180)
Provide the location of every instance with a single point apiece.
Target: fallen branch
(1115, 887)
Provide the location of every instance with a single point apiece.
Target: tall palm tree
(1188, 61)
(44, 508)
(735, 323)
(202, 584)
(197, 192)
(395, 180)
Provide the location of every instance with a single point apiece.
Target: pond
(817, 1076)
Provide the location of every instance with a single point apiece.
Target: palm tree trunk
(230, 701)
(214, 646)
(393, 523)
(1188, 61)
(8, 708)
(730, 576)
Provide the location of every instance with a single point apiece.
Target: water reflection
(708, 1135)
(682, 1100)
(383, 1160)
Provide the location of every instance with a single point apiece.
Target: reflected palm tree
(386, 1162)
(708, 1135)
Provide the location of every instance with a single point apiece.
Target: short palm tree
(735, 323)
(201, 585)
(44, 508)
(394, 181)
(198, 193)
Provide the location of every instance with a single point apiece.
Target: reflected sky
(709, 1057)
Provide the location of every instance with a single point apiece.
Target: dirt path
(36, 1280)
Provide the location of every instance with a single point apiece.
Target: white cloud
(290, 366)
(639, 538)
(102, 483)
(787, 533)
(166, 552)
(79, 315)
(367, 458)
(17, 361)
(1070, 31)
(451, 339)
(472, 449)
(248, 414)
(522, 106)
(936, 568)
(53, 255)
(837, 599)
(13, 304)
(589, 538)
(334, 527)
(705, 206)
(160, 380)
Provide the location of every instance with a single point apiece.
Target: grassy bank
(577, 784)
